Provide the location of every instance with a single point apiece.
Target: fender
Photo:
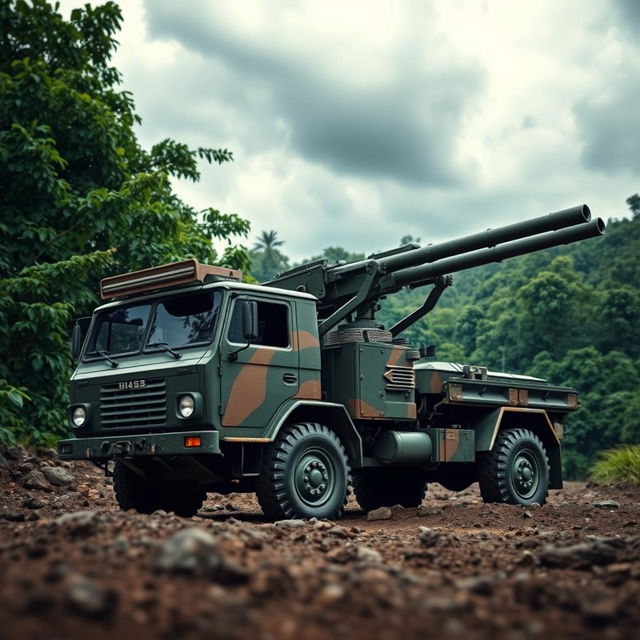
(332, 415)
(536, 420)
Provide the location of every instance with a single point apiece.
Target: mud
(73, 566)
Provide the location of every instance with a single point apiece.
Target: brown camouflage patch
(306, 340)
(396, 355)
(435, 384)
(310, 390)
(360, 409)
(249, 388)
(412, 412)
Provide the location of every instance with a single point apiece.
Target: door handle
(289, 378)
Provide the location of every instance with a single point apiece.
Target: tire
(375, 488)
(134, 492)
(305, 474)
(516, 470)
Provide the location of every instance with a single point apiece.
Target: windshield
(177, 322)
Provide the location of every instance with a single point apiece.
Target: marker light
(192, 441)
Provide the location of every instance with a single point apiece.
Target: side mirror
(78, 335)
(250, 320)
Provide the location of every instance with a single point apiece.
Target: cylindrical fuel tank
(402, 447)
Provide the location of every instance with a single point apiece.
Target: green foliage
(619, 466)
(79, 199)
(266, 259)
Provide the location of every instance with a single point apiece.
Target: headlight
(186, 406)
(79, 416)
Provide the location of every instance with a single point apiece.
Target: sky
(354, 124)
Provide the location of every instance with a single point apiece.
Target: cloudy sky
(355, 123)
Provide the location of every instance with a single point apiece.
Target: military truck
(189, 380)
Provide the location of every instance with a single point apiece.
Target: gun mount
(351, 291)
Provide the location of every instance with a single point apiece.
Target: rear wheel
(305, 474)
(375, 488)
(146, 495)
(516, 470)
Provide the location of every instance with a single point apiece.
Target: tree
(265, 258)
(79, 198)
(634, 205)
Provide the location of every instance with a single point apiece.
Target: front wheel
(516, 470)
(305, 474)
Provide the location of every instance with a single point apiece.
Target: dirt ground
(73, 566)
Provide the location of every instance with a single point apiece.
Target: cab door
(257, 379)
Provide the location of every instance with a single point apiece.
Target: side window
(273, 324)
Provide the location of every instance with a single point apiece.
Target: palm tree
(267, 241)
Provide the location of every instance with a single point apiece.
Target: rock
(428, 537)
(46, 452)
(79, 523)
(527, 514)
(57, 477)
(35, 480)
(89, 599)
(33, 503)
(193, 551)
(4, 464)
(482, 585)
(331, 592)
(382, 513)
(13, 515)
(368, 555)
(607, 504)
(17, 454)
(340, 532)
(290, 524)
(594, 552)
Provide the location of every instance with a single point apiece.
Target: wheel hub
(314, 478)
(525, 474)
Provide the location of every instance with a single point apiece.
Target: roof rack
(164, 276)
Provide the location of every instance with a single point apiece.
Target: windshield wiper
(106, 356)
(165, 347)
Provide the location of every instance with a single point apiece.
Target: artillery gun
(193, 381)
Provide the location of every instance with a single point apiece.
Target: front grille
(134, 408)
(400, 378)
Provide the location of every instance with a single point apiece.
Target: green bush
(619, 466)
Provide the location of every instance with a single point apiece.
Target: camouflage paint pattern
(374, 380)
(452, 445)
(262, 378)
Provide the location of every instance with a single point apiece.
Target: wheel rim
(525, 474)
(314, 477)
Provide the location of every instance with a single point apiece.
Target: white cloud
(355, 123)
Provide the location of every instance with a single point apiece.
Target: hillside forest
(569, 314)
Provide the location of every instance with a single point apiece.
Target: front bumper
(146, 444)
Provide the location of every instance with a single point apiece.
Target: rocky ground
(73, 566)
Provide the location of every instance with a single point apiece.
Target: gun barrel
(415, 276)
(484, 239)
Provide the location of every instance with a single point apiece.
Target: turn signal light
(192, 441)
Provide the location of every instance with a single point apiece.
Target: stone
(482, 585)
(593, 552)
(35, 480)
(290, 524)
(58, 477)
(13, 515)
(17, 454)
(368, 555)
(607, 504)
(340, 532)
(46, 452)
(4, 464)
(382, 513)
(192, 551)
(428, 537)
(79, 523)
(87, 598)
